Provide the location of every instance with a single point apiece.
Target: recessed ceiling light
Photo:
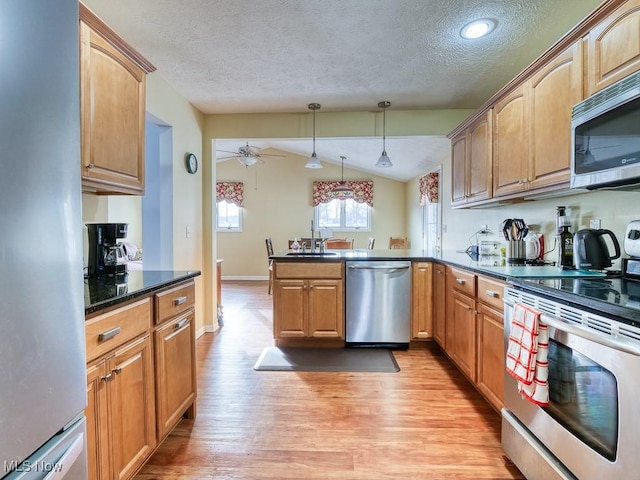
(477, 28)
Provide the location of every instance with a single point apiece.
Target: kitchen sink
(312, 254)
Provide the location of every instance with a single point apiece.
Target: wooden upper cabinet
(614, 47)
(552, 92)
(510, 143)
(112, 110)
(459, 169)
(471, 163)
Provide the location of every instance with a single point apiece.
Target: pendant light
(384, 161)
(313, 161)
(342, 191)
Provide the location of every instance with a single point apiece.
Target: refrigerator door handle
(67, 459)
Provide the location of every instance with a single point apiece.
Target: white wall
(278, 204)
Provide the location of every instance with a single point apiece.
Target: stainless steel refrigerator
(42, 357)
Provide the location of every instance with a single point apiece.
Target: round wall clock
(191, 162)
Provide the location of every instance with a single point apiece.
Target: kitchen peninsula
(141, 372)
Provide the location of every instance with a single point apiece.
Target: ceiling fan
(247, 155)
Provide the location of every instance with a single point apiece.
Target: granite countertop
(490, 265)
(103, 292)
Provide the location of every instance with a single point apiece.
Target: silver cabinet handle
(179, 301)
(117, 370)
(461, 281)
(181, 323)
(107, 377)
(112, 332)
(491, 293)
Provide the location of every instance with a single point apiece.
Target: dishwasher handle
(378, 267)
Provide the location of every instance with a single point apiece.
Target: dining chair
(269, 244)
(338, 243)
(399, 243)
(370, 243)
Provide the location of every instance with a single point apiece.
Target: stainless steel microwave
(605, 138)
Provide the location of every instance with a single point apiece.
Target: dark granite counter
(103, 292)
(489, 265)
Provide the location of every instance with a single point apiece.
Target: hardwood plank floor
(424, 422)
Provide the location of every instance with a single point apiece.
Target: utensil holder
(516, 252)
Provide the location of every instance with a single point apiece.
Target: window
(228, 217)
(343, 215)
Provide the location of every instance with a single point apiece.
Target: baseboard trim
(243, 277)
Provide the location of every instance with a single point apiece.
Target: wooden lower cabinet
(308, 301)
(439, 304)
(175, 351)
(421, 300)
(121, 431)
(463, 336)
(491, 363)
(308, 309)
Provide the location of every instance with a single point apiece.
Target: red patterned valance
(362, 191)
(429, 188)
(231, 192)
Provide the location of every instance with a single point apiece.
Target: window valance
(362, 191)
(231, 192)
(428, 185)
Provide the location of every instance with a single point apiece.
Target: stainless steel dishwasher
(378, 303)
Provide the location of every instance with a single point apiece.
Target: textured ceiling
(263, 56)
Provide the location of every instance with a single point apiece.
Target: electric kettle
(590, 250)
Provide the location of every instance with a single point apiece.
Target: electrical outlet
(594, 223)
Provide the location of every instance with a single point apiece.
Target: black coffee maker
(106, 256)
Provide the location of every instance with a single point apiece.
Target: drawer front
(308, 270)
(174, 301)
(110, 330)
(463, 281)
(491, 292)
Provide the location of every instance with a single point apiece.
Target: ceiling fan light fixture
(384, 161)
(247, 161)
(314, 161)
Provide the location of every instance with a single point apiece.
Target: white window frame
(228, 229)
(342, 227)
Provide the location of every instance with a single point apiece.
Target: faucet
(313, 244)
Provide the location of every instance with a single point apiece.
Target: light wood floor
(425, 422)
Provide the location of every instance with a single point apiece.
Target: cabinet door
(479, 185)
(132, 406)
(552, 93)
(112, 110)
(491, 362)
(175, 370)
(325, 309)
(510, 144)
(289, 307)
(97, 423)
(422, 301)
(614, 47)
(463, 322)
(439, 303)
(458, 169)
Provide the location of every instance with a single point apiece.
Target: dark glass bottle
(566, 247)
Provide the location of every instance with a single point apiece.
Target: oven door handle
(620, 345)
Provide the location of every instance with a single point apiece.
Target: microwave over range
(605, 138)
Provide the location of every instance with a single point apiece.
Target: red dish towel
(527, 352)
